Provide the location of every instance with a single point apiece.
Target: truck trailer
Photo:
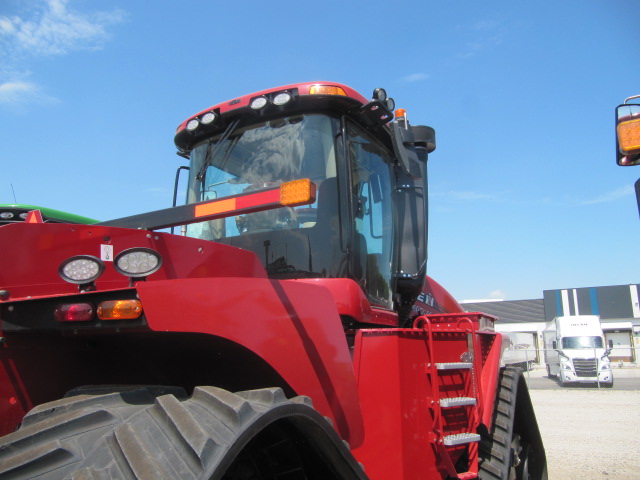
(575, 352)
(290, 332)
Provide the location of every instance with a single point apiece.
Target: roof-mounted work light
(193, 124)
(259, 103)
(282, 98)
(208, 118)
(380, 94)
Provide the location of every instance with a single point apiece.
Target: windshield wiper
(211, 154)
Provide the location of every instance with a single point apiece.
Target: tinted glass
(582, 342)
(292, 242)
(371, 179)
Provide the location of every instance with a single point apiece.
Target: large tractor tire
(513, 449)
(145, 434)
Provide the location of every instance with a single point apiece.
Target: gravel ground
(589, 434)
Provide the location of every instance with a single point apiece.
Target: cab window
(371, 187)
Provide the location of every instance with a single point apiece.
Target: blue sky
(525, 194)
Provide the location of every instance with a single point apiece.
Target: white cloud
(10, 90)
(611, 196)
(463, 196)
(19, 93)
(497, 295)
(58, 31)
(416, 77)
(54, 30)
(483, 35)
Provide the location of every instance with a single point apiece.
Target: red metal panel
(490, 346)
(435, 299)
(13, 402)
(351, 301)
(30, 255)
(395, 397)
(293, 326)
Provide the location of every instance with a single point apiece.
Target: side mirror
(628, 134)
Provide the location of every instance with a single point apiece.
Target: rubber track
(495, 449)
(136, 435)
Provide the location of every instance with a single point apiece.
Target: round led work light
(391, 104)
(380, 94)
(193, 124)
(258, 103)
(137, 262)
(81, 269)
(208, 118)
(282, 98)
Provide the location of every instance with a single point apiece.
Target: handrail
(423, 323)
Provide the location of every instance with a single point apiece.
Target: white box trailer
(575, 350)
(519, 349)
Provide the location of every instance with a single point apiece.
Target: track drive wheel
(513, 449)
(146, 434)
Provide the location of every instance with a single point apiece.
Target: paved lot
(589, 433)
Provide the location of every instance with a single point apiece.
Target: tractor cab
(364, 169)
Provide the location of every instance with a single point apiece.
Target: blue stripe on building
(595, 308)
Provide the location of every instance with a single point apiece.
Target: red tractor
(290, 332)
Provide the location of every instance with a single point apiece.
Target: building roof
(510, 311)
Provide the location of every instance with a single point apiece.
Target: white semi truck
(575, 351)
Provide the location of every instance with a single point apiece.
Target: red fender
(293, 326)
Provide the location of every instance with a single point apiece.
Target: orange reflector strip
(629, 136)
(119, 310)
(326, 90)
(214, 208)
(291, 194)
(297, 192)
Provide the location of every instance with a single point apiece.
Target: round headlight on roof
(6, 215)
(391, 104)
(137, 262)
(282, 98)
(193, 124)
(81, 269)
(258, 103)
(380, 94)
(208, 118)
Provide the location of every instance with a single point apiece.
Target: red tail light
(74, 312)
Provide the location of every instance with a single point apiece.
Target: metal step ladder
(454, 392)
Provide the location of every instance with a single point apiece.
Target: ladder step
(467, 476)
(460, 439)
(457, 402)
(454, 366)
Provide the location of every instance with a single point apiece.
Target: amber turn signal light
(119, 310)
(297, 192)
(629, 136)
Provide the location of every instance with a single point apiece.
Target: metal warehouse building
(618, 307)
